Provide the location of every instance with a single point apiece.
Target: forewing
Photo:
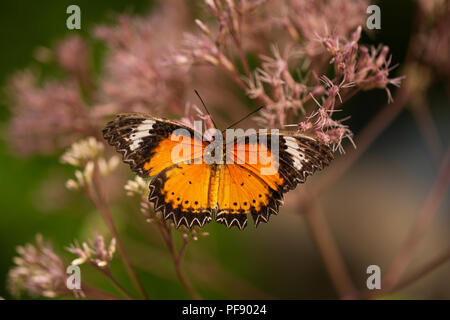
(148, 143)
(291, 158)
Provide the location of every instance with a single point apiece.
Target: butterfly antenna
(204, 106)
(253, 112)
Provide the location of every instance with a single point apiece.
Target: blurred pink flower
(312, 17)
(135, 77)
(74, 56)
(46, 117)
(39, 271)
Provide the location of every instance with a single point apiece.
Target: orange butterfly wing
(182, 193)
(255, 183)
(149, 144)
(242, 192)
(160, 148)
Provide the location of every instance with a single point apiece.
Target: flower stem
(426, 269)
(415, 276)
(177, 259)
(328, 249)
(97, 293)
(116, 284)
(101, 204)
(422, 115)
(241, 54)
(423, 220)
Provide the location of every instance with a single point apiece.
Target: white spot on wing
(295, 151)
(291, 143)
(139, 135)
(140, 132)
(144, 127)
(135, 144)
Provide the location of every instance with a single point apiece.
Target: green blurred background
(376, 200)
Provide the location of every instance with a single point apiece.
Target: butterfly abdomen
(214, 185)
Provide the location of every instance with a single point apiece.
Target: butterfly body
(248, 176)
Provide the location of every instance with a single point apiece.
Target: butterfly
(251, 179)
